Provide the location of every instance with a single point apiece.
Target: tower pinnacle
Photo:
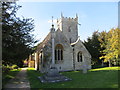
(61, 15)
(76, 15)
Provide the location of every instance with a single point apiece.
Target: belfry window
(69, 28)
(79, 57)
(59, 52)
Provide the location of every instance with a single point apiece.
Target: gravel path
(20, 81)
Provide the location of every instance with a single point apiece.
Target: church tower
(69, 26)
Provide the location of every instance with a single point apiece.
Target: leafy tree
(17, 40)
(102, 40)
(111, 44)
(93, 46)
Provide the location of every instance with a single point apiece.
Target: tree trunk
(102, 63)
(109, 63)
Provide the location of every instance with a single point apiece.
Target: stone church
(63, 48)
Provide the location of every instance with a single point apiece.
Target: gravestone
(84, 68)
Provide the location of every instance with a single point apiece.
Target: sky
(91, 15)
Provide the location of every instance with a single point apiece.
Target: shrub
(14, 67)
(96, 66)
(6, 69)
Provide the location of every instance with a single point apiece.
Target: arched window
(59, 52)
(79, 57)
(70, 40)
(41, 57)
(69, 29)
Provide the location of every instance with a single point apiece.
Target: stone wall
(65, 23)
(67, 63)
(85, 54)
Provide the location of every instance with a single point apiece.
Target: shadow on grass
(93, 79)
(9, 75)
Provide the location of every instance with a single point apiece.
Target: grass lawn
(95, 78)
(11, 74)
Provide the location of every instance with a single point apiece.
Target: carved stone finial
(61, 15)
(52, 22)
(52, 19)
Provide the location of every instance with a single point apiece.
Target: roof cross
(52, 20)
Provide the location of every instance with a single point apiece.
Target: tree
(102, 40)
(93, 46)
(111, 44)
(17, 40)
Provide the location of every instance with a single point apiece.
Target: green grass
(95, 78)
(9, 75)
(106, 68)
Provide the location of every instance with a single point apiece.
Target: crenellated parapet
(69, 18)
(69, 26)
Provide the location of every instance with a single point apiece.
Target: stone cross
(53, 46)
(52, 20)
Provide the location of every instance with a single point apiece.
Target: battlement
(69, 18)
(69, 26)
